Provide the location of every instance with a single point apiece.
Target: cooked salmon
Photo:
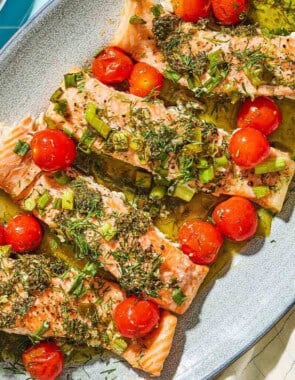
(242, 61)
(165, 137)
(41, 298)
(102, 226)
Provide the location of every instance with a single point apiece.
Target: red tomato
(23, 233)
(135, 318)
(53, 150)
(200, 240)
(236, 218)
(145, 80)
(112, 65)
(192, 10)
(228, 12)
(44, 361)
(2, 235)
(262, 114)
(248, 147)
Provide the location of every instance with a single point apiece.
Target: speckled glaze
(248, 297)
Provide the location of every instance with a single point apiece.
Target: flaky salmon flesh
(102, 226)
(223, 62)
(164, 142)
(42, 298)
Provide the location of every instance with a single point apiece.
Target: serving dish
(232, 311)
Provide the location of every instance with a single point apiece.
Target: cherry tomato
(53, 150)
(201, 241)
(135, 318)
(44, 361)
(248, 147)
(192, 10)
(236, 218)
(2, 235)
(23, 233)
(228, 12)
(145, 80)
(262, 114)
(112, 65)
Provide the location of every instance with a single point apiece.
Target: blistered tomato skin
(44, 361)
(23, 233)
(112, 66)
(192, 10)
(229, 12)
(2, 235)
(145, 80)
(236, 218)
(261, 113)
(53, 150)
(201, 241)
(248, 147)
(135, 318)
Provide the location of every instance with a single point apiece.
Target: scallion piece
(206, 175)
(42, 330)
(21, 148)
(70, 80)
(29, 204)
(120, 141)
(261, 191)
(67, 200)
(194, 147)
(107, 231)
(172, 75)
(221, 162)
(143, 180)
(136, 20)
(61, 107)
(92, 119)
(264, 222)
(271, 165)
(5, 251)
(90, 269)
(57, 204)
(56, 95)
(202, 163)
(136, 144)
(129, 195)
(157, 10)
(178, 296)
(86, 141)
(158, 192)
(183, 192)
(119, 346)
(61, 178)
(44, 200)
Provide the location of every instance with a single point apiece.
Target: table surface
(273, 358)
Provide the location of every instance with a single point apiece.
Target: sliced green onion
(44, 200)
(143, 180)
(158, 192)
(136, 20)
(194, 147)
(264, 222)
(5, 251)
(183, 192)
(21, 148)
(61, 107)
(86, 141)
(42, 330)
(49, 122)
(56, 95)
(29, 204)
(261, 191)
(157, 10)
(119, 345)
(90, 269)
(61, 178)
(120, 141)
(67, 200)
(271, 165)
(136, 144)
(178, 296)
(202, 163)
(206, 175)
(221, 162)
(196, 134)
(129, 195)
(172, 75)
(57, 204)
(92, 119)
(107, 231)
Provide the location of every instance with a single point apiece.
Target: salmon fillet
(164, 135)
(223, 62)
(103, 227)
(41, 298)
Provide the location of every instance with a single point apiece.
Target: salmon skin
(42, 298)
(170, 142)
(231, 61)
(102, 226)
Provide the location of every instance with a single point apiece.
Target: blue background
(14, 14)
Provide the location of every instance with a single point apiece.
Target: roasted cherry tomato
(192, 10)
(23, 233)
(53, 150)
(201, 241)
(145, 80)
(229, 12)
(135, 318)
(261, 113)
(2, 235)
(112, 65)
(248, 147)
(236, 218)
(44, 361)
